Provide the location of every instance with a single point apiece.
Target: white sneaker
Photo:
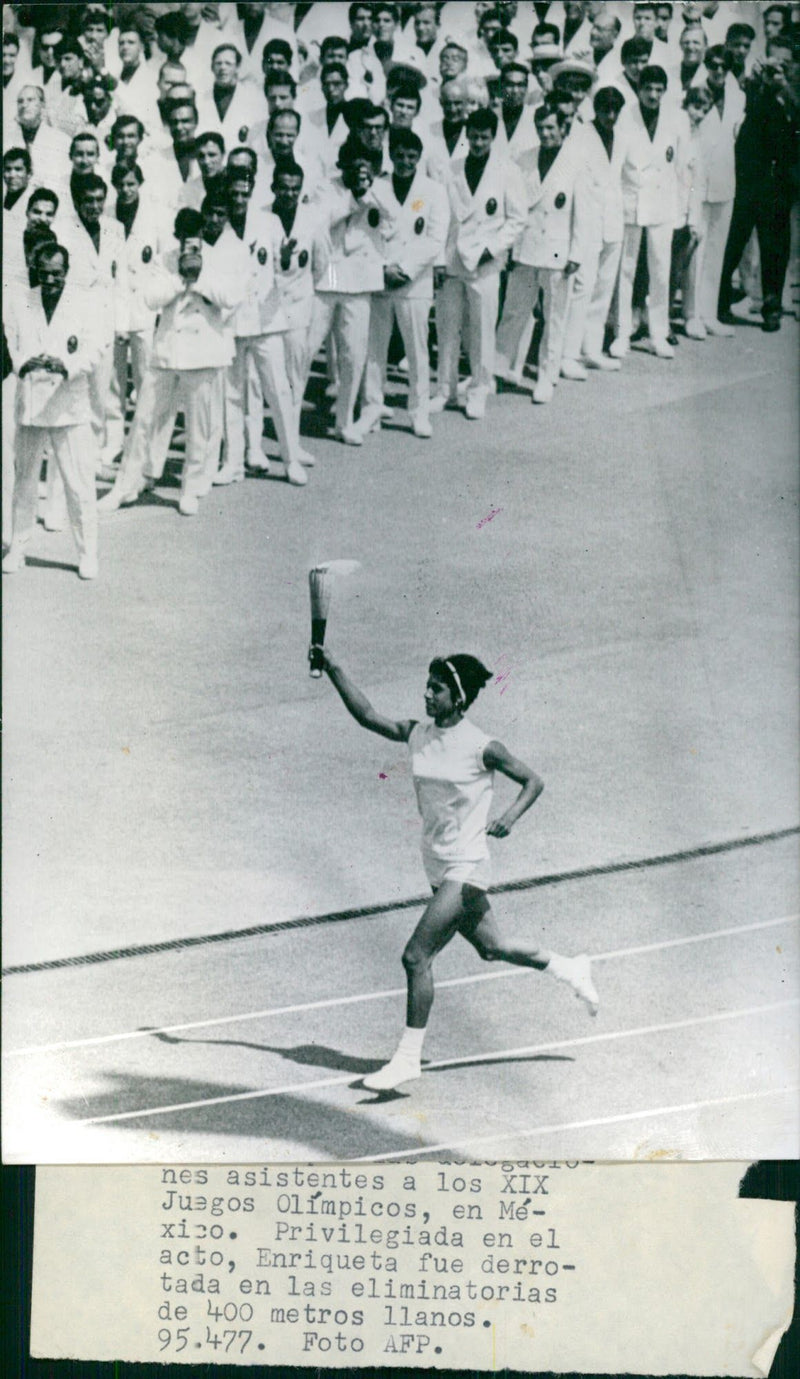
(619, 347)
(573, 369)
(543, 390)
(228, 475)
(696, 330)
(399, 1070)
(296, 474)
(307, 459)
(720, 329)
(440, 402)
(349, 435)
(602, 361)
(662, 349)
(14, 560)
(475, 409)
(88, 567)
(577, 973)
(189, 505)
(422, 428)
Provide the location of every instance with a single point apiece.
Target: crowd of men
(199, 197)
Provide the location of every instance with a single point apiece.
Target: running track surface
(172, 774)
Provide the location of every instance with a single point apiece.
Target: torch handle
(317, 638)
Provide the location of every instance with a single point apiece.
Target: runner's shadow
(312, 1055)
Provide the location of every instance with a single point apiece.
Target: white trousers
(100, 400)
(474, 300)
(514, 331)
(266, 354)
(198, 392)
(590, 303)
(9, 427)
(74, 452)
(347, 315)
(138, 346)
(705, 268)
(412, 315)
(296, 356)
(659, 254)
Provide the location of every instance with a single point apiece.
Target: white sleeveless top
(454, 789)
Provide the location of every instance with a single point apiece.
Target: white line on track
(327, 1004)
(580, 1124)
(300, 1087)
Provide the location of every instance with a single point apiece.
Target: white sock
(410, 1046)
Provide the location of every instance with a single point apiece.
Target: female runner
(453, 765)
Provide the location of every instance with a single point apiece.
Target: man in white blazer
(326, 125)
(48, 147)
(258, 324)
(598, 151)
(516, 130)
(99, 265)
(355, 215)
(54, 345)
(446, 139)
(487, 213)
(717, 135)
(545, 257)
(232, 106)
(653, 150)
(302, 259)
(147, 232)
(193, 288)
(419, 222)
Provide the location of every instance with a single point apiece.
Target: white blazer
(72, 336)
(717, 134)
(103, 274)
(439, 162)
(193, 330)
(523, 145)
(260, 310)
(652, 168)
(307, 262)
(324, 145)
(151, 236)
(357, 231)
(417, 234)
(557, 226)
(49, 153)
(246, 109)
(601, 178)
(490, 218)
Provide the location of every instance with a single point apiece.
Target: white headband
(455, 676)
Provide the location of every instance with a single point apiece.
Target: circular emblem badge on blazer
(670, 154)
(243, 133)
(419, 225)
(262, 256)
(373, 218)
(302, 258)
(147, 254)
(561, 200)
(72, 344)
(491, 206)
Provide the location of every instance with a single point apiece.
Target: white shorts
(439, 869)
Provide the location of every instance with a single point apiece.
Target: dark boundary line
(369, 911)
